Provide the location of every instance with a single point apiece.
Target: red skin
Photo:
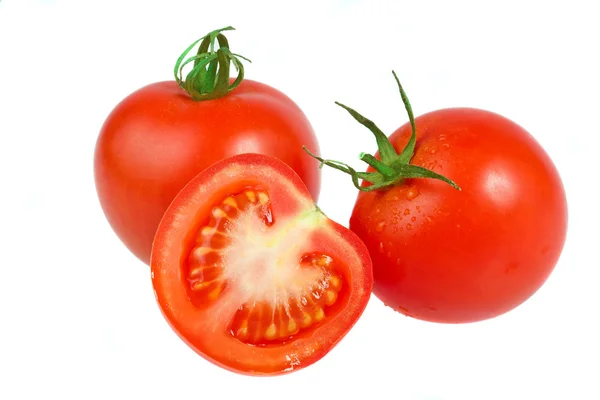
(452, 256)
(204, 330)
(158, 138)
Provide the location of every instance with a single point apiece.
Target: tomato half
(251, 274)
(157, 139)
(452, 256)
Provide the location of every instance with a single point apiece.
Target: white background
(78, 319)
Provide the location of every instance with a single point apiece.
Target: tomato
(159, 137)
(251, 274)
(455, 256)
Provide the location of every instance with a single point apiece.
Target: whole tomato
(161, 136)
(467, 245)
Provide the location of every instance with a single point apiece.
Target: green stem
(393, 168)
(209, 77)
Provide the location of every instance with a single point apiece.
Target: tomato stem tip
(209, 77)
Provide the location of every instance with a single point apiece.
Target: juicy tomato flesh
(278, 302)
(250, 273)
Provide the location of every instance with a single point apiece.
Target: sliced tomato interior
(280, 289)
(252, 275)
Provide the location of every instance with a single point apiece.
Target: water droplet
(381, 247)
(428, 218)
(395, 220)
(380, 226)
(413, 219)
(418, 208)
(395, 229)
(412, 193)
(446, 145)
(408, 227)
(433, 151)
(442, 137)
(395, 210)
(407, 212)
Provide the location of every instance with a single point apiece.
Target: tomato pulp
(251, 274)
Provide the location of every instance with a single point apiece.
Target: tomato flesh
(251, 274)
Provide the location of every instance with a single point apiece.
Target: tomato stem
(392, 168)
(209, 77)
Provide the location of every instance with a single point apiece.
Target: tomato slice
(251, 274)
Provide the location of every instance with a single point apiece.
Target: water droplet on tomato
(395, 230)
(413, 219)
(446, 145)
(381, 247)
(380, 226)
(408, 227)
(442, 137)
(407, 212)
(428, 218)
(394, 210)
(412, 193)
(433, 151)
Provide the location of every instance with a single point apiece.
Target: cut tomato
(251, 274)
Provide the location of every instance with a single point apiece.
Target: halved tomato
(251, 274)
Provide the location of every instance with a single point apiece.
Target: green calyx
(392, 168)
(209, 77)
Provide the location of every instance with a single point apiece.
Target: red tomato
(158, 138)
(461, 256)
(251, 274)
(455, 256)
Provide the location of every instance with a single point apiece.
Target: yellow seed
(200, 285)
(242, 333)
(201, 251)
(251, 196)
(215, 292)
(208, 230)
(306, 320)
(263, 198)
(196, 271)
(230, 201)
(292, 327)
(319, 315)
(271, 332)
(330, 297)
(218, 213)
(335, 282)
(324, 261)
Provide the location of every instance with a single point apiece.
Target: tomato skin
(450, 256)
(158, 138)
(205, 331)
